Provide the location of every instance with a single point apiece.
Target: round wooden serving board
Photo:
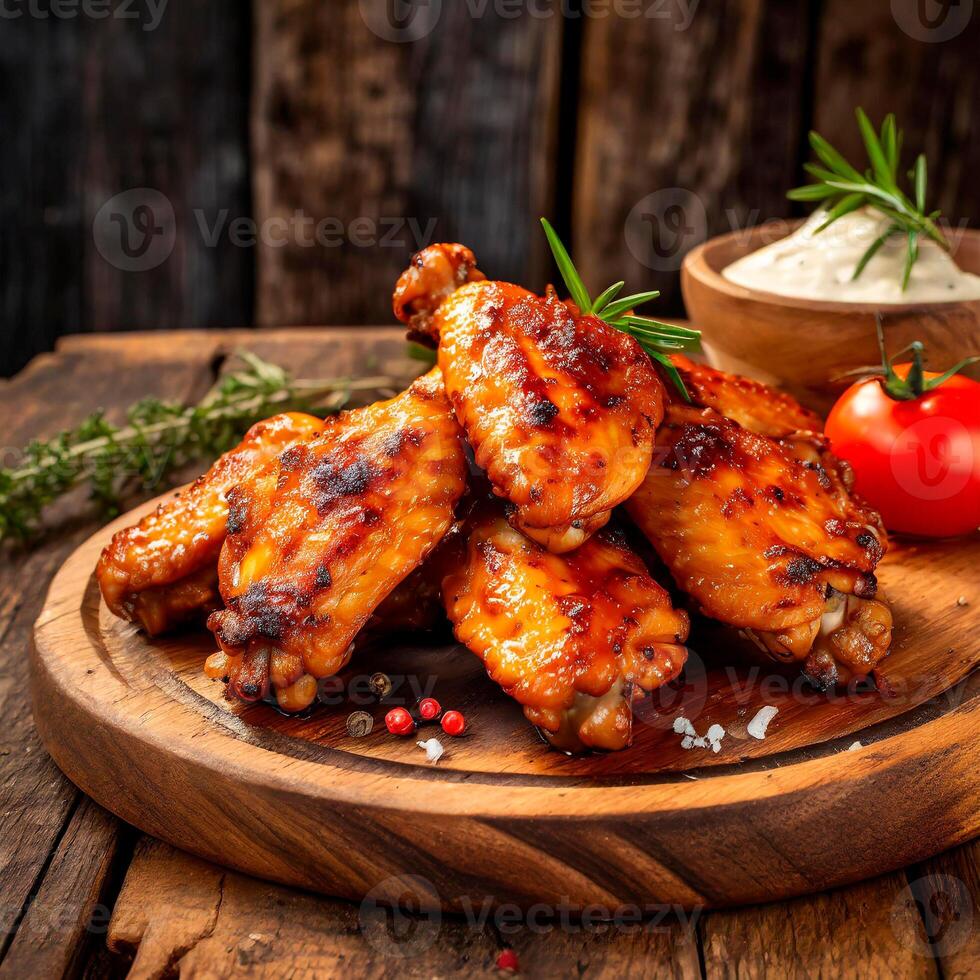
(138, 727)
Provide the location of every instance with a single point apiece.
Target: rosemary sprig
(842, 189)
(158, 438)
(658, 339)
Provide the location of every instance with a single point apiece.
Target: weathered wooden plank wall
(640, 129)
(152, 108)
(690, 126)
(389, 145)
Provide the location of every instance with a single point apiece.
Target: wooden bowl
(808, 346)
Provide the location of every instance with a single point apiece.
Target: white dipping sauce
(811, 266)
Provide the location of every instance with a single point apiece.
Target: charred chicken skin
(560, 409)
(753, 405)
(573, 637)
(164, 571)
(762, 532)
(320, 537)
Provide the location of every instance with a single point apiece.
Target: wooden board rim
(737, 788)
(221, 760)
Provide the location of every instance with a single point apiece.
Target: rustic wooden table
(81, 893)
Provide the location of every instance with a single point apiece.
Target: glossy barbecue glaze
(571, 637)
(163, 571)
(765, 536)
(560, 409)
(319, 538)
(754, 405)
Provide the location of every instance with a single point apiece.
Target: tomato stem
(915, 384)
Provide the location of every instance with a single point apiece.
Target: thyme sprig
(841, 189)
(658, 339)
(158, 438)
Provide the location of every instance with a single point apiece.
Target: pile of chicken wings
(513, 484)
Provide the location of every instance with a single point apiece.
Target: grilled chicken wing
(764, 535)
(755, 406)
(321, 536)
(415, 606)
(164, 571)
(560, 408)
(574, 637)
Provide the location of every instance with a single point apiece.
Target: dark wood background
(638, 135)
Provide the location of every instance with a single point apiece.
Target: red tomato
(918, 461)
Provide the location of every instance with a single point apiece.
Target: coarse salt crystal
(758, 725)
(691, 739)
(684, 727)
(714, 735)
(433, 749)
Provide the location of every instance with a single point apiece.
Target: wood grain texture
(51, 394)
(887, 58)
(946, 893)
(820, 936)
(68, 914)
(41, 228)
(689, 126)
(178, 915)
(395, 145)
(112, 706)
(168, 903)
(25, 775)
(94, 107)
(172, 918)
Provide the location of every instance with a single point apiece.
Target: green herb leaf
(889, 142)
(842, 189)
(811, 192)
(576, 288)
(665, 362)
(875, 153)
(656, 338)
(844, 206)
(832, 158)
(418, 352)
(873, 249)
(607, 296)
(920, 177)
(910, 257)
(158, 438)
(615, 310)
